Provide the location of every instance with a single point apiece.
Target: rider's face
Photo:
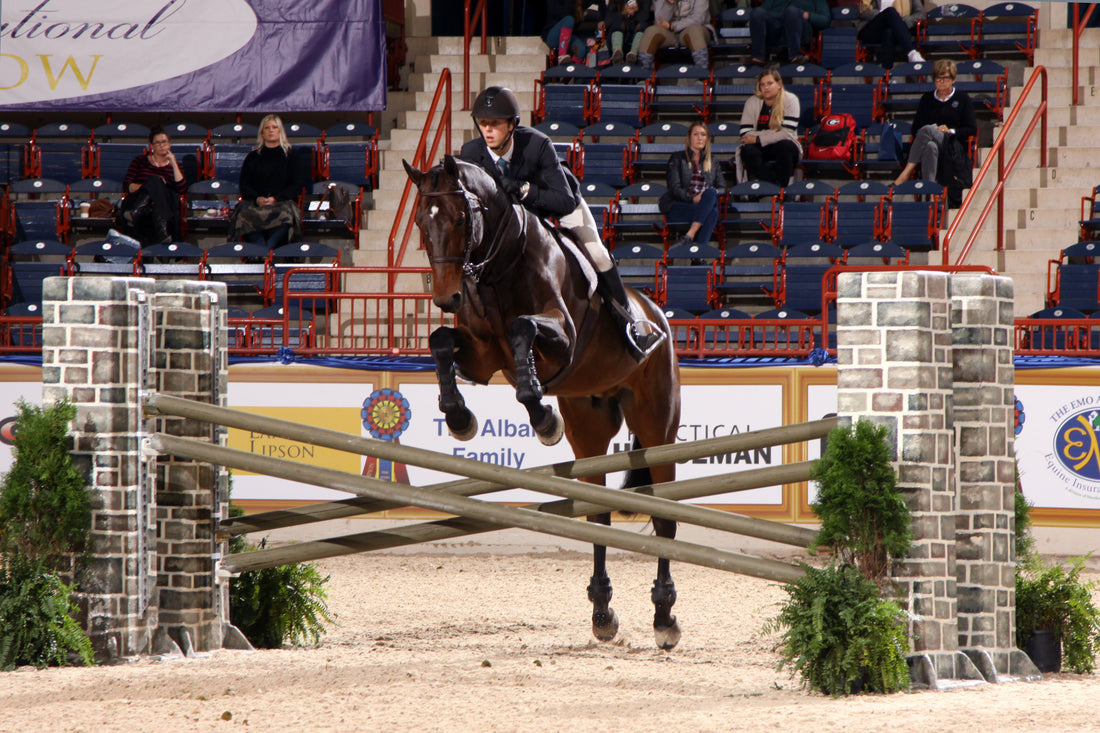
(495, 132)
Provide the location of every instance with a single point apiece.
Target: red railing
(472, 19)
(1079, 24)
(422, 160)
(1003, 170)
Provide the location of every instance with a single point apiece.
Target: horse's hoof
(605, 625)
(467, 432)
(551, 429)
(669, 637)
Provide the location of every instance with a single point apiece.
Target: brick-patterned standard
(153, 549)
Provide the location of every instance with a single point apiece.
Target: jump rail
(481, 510)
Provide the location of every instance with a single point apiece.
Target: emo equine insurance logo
(1076, 455)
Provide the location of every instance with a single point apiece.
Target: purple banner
(192, 55)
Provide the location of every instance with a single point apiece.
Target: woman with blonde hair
(769, 149)
(694, 183)
(272, 179)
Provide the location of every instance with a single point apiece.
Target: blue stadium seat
(565, 93)
(857, 212)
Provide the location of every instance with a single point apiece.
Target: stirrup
(643, 344)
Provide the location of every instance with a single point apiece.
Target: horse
(524, 304)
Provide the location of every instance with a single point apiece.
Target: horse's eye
(461, 220)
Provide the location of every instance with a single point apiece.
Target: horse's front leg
(460, 421)
(546, 422)
(666, 628)
(605, 622)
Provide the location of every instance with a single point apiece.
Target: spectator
(272, 179)
(523, 162)
(694, 183)
(769, 148)
(152, 186)
(945, 117)
(678, 21)
(558, 31)
(626, 22)
(888, 24)
(590, 29)
(792, 21)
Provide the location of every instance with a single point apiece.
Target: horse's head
(452, 213)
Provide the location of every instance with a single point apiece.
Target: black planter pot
(1045, 649)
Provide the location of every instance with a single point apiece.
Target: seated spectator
(769, 148)
(791, 22)
(271, 182)
(152, 186)
(694, 183)
(626, 22)
(888, 24)
(558, 31)
(945, 117)
(681, 22)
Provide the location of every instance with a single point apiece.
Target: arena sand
(488, 642)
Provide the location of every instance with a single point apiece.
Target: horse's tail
(637, 476)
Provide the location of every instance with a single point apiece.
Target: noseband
(475, 214)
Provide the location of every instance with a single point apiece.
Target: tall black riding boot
(610, 287)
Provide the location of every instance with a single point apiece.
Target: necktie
(504, 167)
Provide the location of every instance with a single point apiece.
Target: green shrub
(864, 518)
(45, 525)
(276, 605)
(36, 618)
(1025, 543)
(273, 606)
(45, 509)
(1054, 598)
(841, 635)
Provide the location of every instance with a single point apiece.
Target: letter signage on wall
(192, 55)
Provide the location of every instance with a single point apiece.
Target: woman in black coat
(694, 183)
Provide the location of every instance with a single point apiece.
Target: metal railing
(1079, 24)
(471, 20)
(997, 152)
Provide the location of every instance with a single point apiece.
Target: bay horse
(524, 304)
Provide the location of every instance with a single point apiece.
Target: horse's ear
(450, 165)
(414, 175)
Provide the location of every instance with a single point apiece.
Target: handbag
(890, 147)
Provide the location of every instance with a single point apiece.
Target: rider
(524, 162)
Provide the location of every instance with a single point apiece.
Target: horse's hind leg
(460, 421)
(546, 422)
(666, 628)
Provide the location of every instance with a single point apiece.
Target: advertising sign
(192, 55)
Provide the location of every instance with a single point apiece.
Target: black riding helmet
(496, 103)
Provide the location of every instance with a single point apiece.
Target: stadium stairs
(1043, 206)
(514, 62)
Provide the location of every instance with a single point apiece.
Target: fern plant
(1052, 597)
(840, 634)
(282, 604)
(864, 518)
(37, 624)
(273, 606)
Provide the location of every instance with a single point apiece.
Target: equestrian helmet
(496, 103)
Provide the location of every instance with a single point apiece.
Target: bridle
(475, 232)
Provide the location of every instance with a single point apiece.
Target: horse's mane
(475, 179)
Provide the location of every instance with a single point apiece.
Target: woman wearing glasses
(152, 187)
(944, 115)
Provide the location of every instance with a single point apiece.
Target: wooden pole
(578, 468)
(451, 528)
(482, 511)
(606, 499)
